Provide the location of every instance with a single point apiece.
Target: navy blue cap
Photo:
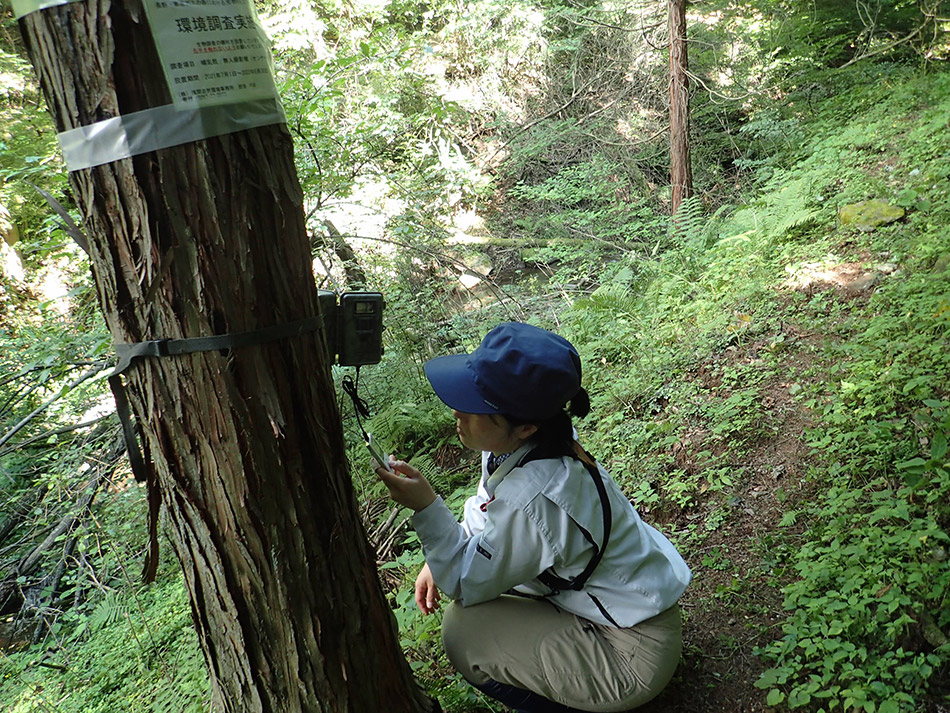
(518, 370)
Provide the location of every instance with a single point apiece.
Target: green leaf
(912, 477)
(775, 697)
(797, 699)
(768, 678)
(907, 197)
(79, 630)
(938, 447)
(914, 464)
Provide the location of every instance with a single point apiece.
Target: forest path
(735, 602)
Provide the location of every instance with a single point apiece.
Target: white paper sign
(213, 51)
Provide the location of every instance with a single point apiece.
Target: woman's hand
(407, 486)
(427, 594)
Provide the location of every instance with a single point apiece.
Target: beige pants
(532, 644)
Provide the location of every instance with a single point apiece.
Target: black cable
(360, 407)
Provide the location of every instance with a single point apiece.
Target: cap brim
(453, 382)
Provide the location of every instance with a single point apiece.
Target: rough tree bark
(681, 172)
(208, 238)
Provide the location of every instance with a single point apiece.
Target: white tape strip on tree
(161, 128)
(25, 7)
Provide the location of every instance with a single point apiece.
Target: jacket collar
(508, 465)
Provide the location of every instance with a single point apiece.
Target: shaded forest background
(769, 372)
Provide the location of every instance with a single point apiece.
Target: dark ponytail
(579, 406)
(555, 436)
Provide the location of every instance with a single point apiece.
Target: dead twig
(55, 432)
(85, 376)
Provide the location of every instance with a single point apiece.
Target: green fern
(111, 609)
(412, 427)
(613, 299)
(792, 208)
(688, 226)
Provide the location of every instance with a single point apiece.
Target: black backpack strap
(549, 578)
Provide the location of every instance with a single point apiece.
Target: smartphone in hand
(377, 454)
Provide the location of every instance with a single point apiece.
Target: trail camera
(354, 326)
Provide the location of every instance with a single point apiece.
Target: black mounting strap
(129, 353)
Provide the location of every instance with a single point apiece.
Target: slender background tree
(681, 172)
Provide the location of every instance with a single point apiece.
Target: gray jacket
(526, 519)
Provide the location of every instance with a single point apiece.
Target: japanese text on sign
(213, 51)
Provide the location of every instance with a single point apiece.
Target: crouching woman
(563, 598)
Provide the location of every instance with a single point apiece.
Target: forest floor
(735, 602)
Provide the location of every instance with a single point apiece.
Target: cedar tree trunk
(249, 463)
(681, 172)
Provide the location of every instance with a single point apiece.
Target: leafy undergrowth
(771, 390)
(786, 418)
(136, 651)
(773, 394)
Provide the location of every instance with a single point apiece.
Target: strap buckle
(128, 353)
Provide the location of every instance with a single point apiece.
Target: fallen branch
(66, 524)
(21, 510)
(50, 434)
(69, 227)
(497, 289)
(535, 122)
(85, 376)
(9, 584)
(54, 666)
(333, 239)
(50, 585)
(887, 48)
